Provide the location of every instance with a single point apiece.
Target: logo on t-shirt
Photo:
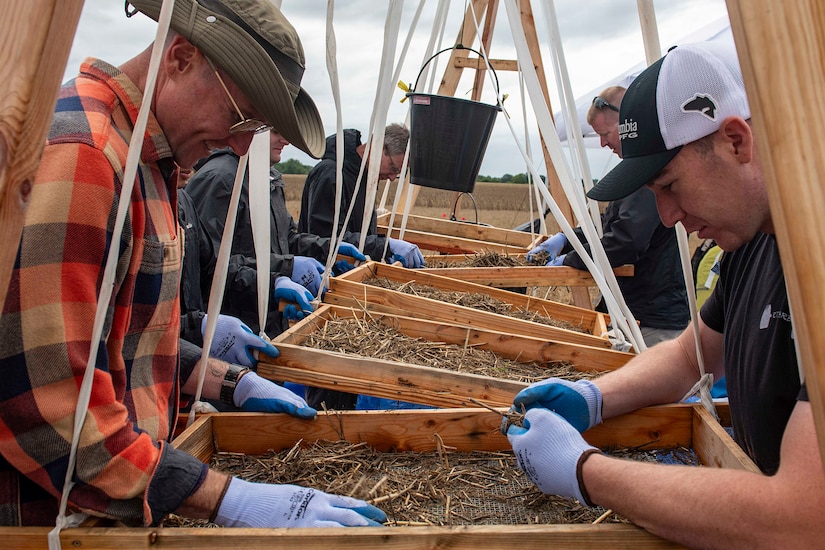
(766, 317)
(769, 314)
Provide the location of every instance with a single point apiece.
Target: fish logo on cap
(701, 103)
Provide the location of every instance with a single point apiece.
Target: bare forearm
(203, 502)
(697, 507)
(659, 375)
(722, 508)
(215, 372)
(662, 374)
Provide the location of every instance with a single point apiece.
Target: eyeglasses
(395, 169)
(246, 124)
(600, 103)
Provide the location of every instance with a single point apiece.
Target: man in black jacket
(633, 233)
(318, 199)
(295, 258)
(233, 340)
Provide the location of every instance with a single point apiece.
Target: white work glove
(552, 246)
(233, 342)
(549, 451)
(580, 402)
(407, 253)
(248, 504)
(256, 394)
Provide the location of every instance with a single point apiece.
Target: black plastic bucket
(448, 139)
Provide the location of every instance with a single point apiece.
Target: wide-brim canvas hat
(683, 97)
(253, 43)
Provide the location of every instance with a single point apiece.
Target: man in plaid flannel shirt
(126, 468)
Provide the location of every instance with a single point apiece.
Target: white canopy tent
(714, 31)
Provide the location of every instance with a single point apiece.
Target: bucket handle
(458, 47)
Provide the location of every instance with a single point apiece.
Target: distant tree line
(507, 178)
(294, 166)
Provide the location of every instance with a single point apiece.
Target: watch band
(230, 381)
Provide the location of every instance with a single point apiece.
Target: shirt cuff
(176, 478)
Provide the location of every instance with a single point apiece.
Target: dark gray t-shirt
(750, 307)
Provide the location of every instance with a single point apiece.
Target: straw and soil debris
(441, 487)
(484, 259)
(481, 302)
(377, 339)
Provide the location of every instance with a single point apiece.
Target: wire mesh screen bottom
(443, 487)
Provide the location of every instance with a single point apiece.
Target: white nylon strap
(591, 225)
(213, 309)
(531, 183)
(571, 120)
(705, 381)
(377, 124)
(384, 98)
(332, 69)
(436, 35)
(107, 287)
(395, 79)
(653, 51)
(702, 387)
(260, 206)
(612, 299)
(385, 87)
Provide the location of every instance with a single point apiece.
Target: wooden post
(650, 32)
(528, 23)
(459, 60)
(781, 49)
(486, 35)
(37, 38)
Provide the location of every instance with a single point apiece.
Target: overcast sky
(601, 40)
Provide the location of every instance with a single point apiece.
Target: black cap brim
(630, 174)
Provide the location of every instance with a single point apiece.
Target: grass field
(503, 205)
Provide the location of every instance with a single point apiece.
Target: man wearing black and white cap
(229, 69)
(684, 125)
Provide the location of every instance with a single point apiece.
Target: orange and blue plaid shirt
(125, 467)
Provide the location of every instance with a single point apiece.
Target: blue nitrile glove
(372, 403)
(553, 246)
(342, 266)
(307, 272)
(559, 261)
(233, 342)
(256, 394)
(347, 249)
(407, 253)
(719, 388)
(289, 291)
(580, 402)
(248, 504)
(549, 450)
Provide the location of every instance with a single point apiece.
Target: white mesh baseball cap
(682, 97)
